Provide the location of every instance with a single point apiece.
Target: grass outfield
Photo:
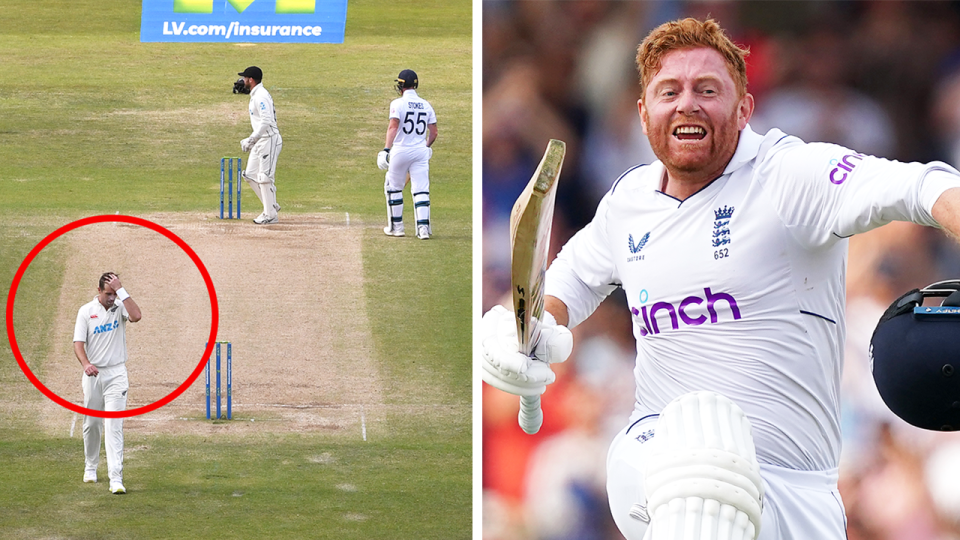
(97, 122)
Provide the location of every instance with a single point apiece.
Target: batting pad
(702, 478)
(421, 208)
(394, 207)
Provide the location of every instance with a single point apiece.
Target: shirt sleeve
(80, 328)
(583, 274)
(432, 116)
(395, 108)
(824, 192)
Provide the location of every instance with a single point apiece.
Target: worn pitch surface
(290, 300)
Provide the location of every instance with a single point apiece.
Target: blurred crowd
(880, 77)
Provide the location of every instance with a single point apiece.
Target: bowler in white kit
(731, 249)
(411, 132)
(100, 343)
(264, 145)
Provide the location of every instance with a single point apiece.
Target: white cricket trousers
(261, 171)
(412, 159)
(416, 161)
(105, 392)
(797, 505)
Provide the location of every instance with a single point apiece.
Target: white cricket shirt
(740, 288)
(104, 332)
(263, 117)
(415, 114)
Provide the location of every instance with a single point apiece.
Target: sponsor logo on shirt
(842, 167)
(690, 312)
(109, 327)
(93, 316)
(645, 436)
(635, 247)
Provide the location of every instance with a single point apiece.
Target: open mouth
(688, 133)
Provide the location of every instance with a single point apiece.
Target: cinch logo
(836, 176)
(206, 6)
(687, 312)
(106, 327)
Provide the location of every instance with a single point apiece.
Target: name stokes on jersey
(690, 311)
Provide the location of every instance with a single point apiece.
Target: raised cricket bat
(530, 225)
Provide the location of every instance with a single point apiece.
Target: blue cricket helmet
(915, 357)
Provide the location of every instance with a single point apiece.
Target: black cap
(407, 79)
(253, 72)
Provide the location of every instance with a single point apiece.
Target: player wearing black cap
(264, 145)
(410, 133)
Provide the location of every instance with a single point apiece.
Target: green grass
(97, 122)
(314, 489)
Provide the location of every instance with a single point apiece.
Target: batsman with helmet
(731, 249)
(411, 132)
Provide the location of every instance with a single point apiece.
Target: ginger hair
(687, 34)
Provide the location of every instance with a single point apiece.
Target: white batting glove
(506, 368)
(383, 159)
(429, 152)
(245, 144)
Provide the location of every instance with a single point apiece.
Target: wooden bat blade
(530, 226)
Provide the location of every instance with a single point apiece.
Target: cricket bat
(530, 225)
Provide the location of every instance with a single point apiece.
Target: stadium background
(879, 77)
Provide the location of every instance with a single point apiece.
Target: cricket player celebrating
(410, 133)
(264, 145)
(100, 343)
(731, 249)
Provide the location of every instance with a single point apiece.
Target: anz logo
(106, 327)
(635, 247)
(690, 312)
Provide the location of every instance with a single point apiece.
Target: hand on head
(113, 282)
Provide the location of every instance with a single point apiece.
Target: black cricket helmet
(915, 357)
(406, 80)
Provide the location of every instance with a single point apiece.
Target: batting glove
(383, 159)
(245, 144)
(506, 368)
(429, 152)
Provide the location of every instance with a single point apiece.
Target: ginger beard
(708, 151)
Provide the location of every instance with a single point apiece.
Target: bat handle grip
(531, 417)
